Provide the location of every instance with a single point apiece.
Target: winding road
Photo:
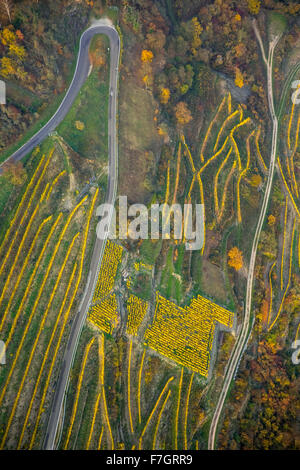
(244, 334)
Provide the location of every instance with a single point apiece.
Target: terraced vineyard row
(37, 274)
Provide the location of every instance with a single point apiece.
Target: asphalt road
(245, 330)
(79, 78)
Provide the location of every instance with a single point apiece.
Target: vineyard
(91, 419)
(229, 157)
(186, 335)
(280, 276)
(103, 314)
(43, 262)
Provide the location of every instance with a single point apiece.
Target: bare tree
(6, 8)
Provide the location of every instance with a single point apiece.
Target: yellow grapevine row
(54, 183)
(177, 409)
(74, 410)
(177, 173)
(258, 150)
(25, 214)
(241, 175)
(129, 387)
(220, 214)
(153, 411)
(139, 384)
(111, 260)
(185, 335)
(33, 349)
(32, 246)
(46, 354)
(20, 206)
(283, 243)
(187, 410)
(290, 123)
(217, 178)
(271, 292)
(159, 419)
(137, 309)
(105, 315)
(40, 293)
(292, 159)
(93, 421)
(211, 124)
(102, 365)
(289, 279)
(287, 188)
(228, 119)
(20, 247)
(83, 249)
(37, 265)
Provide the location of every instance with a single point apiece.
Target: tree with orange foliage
(235, 258)
(146, 56)
(182, 113)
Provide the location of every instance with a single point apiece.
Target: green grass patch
(90, 112)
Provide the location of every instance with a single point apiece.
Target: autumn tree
(7, 67)
(271, 220)
(254, 6)
(239, 81)
(191, 32)
(164, 95)
(156, 40)
(79, 125)
(182, 113)
(11, 65)
(146, 56)
(235, 258)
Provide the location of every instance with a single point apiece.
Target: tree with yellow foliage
(7, 37)
(164, 95)
(254, 6)
(271, 220)
(79, 125)
(239, 81)
(146, 56)
(7, 68)
(182, 113)
(197, 30)
(255, 180)
(235, 258)
(17, 51)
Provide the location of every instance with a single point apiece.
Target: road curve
(241, 342)
(80, 75)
